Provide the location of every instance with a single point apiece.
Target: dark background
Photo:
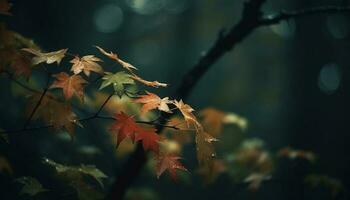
(291, 81)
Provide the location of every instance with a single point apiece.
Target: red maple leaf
(150, 139)
(169, 162)
(125, 126)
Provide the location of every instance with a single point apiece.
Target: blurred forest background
(291, 81)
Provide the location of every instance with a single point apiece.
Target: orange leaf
(168, 162)
(70, 85)
(150, 139)
(152, 101)
(115, 57)
(124, 126)
(186, 111)
(86, 64)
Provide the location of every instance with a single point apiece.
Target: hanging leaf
(118, 81)
(205, 149)
(49, 58)
(31, 186)
(152, 101)
(86, 64)
(186, 111)
(150, 139)
(212, 120)
(124, 126)
(168, 162)
(70, 85)
(55, 113)
(76, 171)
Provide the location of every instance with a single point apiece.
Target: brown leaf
(168, 162)
(186, 110)
(49, 58)
(115, 57)
(55, 113)
(205, 149)
(70, 84)
(86, 64)
(212, 120)
(152, 101)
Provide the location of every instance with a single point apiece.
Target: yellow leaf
(49, 58)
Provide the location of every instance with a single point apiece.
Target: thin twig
(39, 101)
(103, 104)
(26, 129)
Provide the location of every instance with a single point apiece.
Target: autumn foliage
(56, 105)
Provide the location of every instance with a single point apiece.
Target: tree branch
(286, 15)
(252, 18)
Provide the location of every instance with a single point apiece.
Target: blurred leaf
(31, 186)
(317, 180)
(255, 180)
(5, 166)
(294, 154)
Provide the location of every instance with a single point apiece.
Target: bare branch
(286, 15)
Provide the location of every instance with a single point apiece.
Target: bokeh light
(329, 78)
(108, 18)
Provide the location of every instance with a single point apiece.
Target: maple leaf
(58, 114)
(152, 101)
(155, 84)
(49, 58)
(5, 7)
(19, 63)
(70, 84)
(150, 139)
(168, 162)
(212, 120)
(125, 127)
(86, 64)
(186, 111)
(115, 57)
(118, 80)
(205, 149)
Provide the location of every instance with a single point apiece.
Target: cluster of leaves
(20, 56)
(58, 113)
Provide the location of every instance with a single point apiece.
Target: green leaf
(31, 186)
(91, 170)
(118, 81)
(78, 171)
